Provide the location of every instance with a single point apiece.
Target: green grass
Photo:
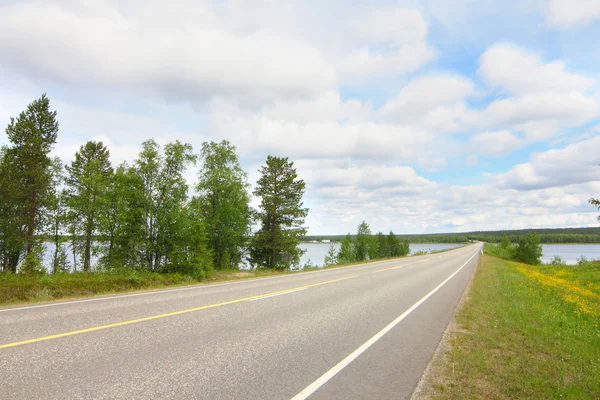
(17, 288)
(523, 332)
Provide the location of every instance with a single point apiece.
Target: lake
(316, 252)
(570, 252)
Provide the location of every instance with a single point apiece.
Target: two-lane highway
(360, 332)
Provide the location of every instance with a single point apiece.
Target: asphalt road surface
(360, 332)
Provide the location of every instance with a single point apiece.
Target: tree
(505, 244)
(88, 180)
(398, 248)
(33, 135)
(595, 202)
(224, 203)
(373, 248)
(383, 246)
(393, 244)
(124, 225)
(361, 246)
(529, 249)
(281, 213)
(12, 214)
(331, 258)
(346, 254)
(163, 199)
(403, 249)
(58, 217)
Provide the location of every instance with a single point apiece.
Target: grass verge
(18, 288)
(522, 332)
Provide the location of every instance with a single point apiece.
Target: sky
(415, 116)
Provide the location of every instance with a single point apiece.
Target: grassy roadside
(522, 332)
(18, 289)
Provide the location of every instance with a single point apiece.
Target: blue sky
(416, 116)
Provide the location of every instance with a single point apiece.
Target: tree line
(140, 215)
(365, 246)
(559, 235)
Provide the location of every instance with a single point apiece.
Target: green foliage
(506, 243)
(224, 203)
(383, 246)
(331, 258)
(363, 242)
(596, 203)
(497, 250)
(346, 253)
(32, 135)
(557, 260)
(403, 249)
(88, 180)
(529, 249)
(282, 215)
(12, 212)
(557, 235)
(32, 265)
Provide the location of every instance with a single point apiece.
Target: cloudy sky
(416, 116)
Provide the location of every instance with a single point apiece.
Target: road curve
(361, 332)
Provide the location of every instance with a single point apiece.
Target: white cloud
(276, 77)
(496, 144)
(181, 51)
(539, 115)
(519, 72)
(390, 41)
(575, 164)
(433, 98)
(571, 13)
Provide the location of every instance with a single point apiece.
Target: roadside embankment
(522, 332)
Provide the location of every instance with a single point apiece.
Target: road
(360, 332)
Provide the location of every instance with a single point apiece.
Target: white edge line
(313, 387)
(277, 294)
(197, 287)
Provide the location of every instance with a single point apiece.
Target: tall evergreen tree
(281, 213)
(88, 180)
(33, 135)
(12, 214)
(224, 203)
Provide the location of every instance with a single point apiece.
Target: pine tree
(12, 214)
(331, 258)
(33, 135)
(281, 214)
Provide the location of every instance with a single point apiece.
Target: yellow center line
(399, 266)
(165, 315)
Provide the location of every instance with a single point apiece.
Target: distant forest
(563, 235)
